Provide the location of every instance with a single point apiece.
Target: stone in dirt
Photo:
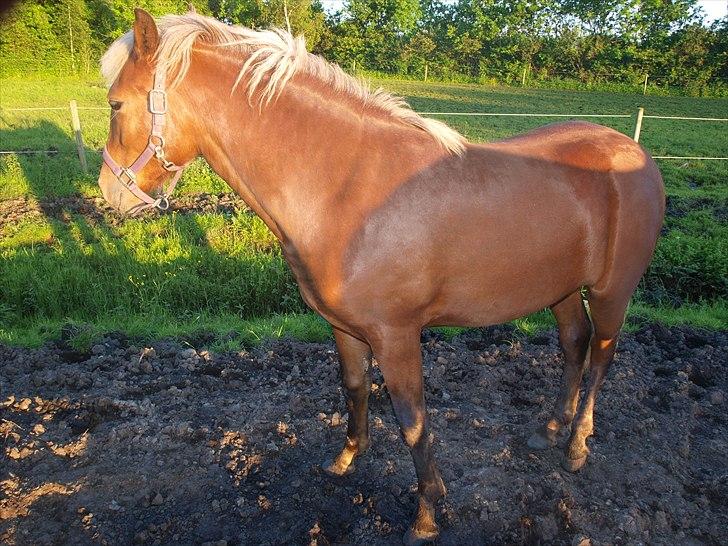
(717, 398)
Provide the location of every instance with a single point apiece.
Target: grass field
(182, 274)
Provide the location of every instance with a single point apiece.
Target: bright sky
(714, 9)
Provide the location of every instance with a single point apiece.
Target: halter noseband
(157, 105)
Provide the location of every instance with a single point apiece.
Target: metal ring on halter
(162, 203)
(167, 164)
(159, 144)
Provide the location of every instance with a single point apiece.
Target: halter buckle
(167, 164)
(162, 95)
(129, 174)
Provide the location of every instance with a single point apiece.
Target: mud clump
(168, 444)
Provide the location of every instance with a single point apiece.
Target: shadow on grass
(80, 263)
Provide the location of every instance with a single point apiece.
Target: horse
(391, 222)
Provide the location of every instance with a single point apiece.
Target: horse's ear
(191, 8)
(146, 35)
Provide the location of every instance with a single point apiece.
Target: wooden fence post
(425, 71)
(644, 89)
(76, 124)
(523, 78)
(638, 128)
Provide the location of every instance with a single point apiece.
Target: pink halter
(157, 104)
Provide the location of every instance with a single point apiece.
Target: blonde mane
(274, 57)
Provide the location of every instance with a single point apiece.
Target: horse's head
(146, 147)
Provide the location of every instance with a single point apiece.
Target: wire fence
(639, 116)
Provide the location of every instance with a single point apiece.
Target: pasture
(211, 270)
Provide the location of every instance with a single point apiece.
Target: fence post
(76, 124)
(425, 71)
(523, 78)
(644, 89)
(638, 128)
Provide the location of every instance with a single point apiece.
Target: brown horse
(389, 221)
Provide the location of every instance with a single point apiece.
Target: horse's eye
(115, 104)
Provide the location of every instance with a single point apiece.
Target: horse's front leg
(355, 357)
(400, 358)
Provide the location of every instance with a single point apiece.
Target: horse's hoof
(574, 465)
(539, 441)
(418, 537)
(335, 471)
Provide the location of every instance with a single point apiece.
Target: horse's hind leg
(355, 357)
(607, 313)
(574, 333)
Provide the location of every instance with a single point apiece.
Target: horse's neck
(303, 161)
(268, 155)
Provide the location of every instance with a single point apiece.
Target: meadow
(220, 276)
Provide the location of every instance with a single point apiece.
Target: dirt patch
(166, 444)
(95, 209)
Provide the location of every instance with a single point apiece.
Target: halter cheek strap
(127, 176)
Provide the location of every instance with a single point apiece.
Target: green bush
(690, 263)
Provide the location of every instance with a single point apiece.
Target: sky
(714, 9)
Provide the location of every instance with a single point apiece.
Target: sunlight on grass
(713, 316)
(178, 274)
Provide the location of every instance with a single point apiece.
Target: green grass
(195, 274)
(209, 263)
(218, 331)
(712, 316)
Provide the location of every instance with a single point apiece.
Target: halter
(157, 105)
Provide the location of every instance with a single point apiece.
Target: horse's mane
(274, 56)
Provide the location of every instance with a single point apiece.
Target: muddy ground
(168, 444)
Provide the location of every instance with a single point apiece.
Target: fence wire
(474, 114)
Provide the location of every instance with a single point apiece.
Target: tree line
(474, 40)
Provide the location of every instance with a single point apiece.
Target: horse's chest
(315, 273)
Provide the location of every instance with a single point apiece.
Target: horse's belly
(491, 276)
(498, 304)
(476, 253)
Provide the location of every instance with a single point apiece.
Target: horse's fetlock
(363, 444)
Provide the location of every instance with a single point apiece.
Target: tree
(27, 40)
(479, 38)
(306, 17)
(381, 27)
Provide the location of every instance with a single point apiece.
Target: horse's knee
(411, 424)
(356, 394)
